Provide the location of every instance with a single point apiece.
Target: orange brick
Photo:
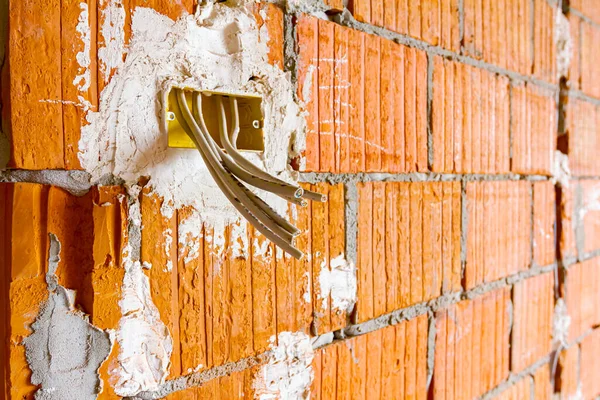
(365, 239)
(372, 104)
(308, 85)
(441, 101)
(326, 96)
(543, 222)
(421, 111)
(466, 344)
(403, 230)
(542, 383)
(589, 367)
(387, 105)
(567, 380)
(361, 9)
(159, 248)
(532, 308)
(341, 90)
(533, 149)
(575, 66)
(263, 283)
(581, 292)
(416, 242)
(476, 121)
(356, 59)
(274, 25)
(328, 373)
(398, 59)
(515, 244)
(414, 19)
(590, 34)
(410, 112)
(302, 270)
(392, 270)
(337, 245)
(320, 257)
(582, 128)
(35, 110)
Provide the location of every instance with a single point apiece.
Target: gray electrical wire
(197, 104)
(234, 190)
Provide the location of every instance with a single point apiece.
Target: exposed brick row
(434, 21)
(533, 116)
(390, 363)
(583, 127)
(581, 291)
(408, 244)
(366, 99)
(533, 307)
(499, 230)
(470, 119)
(472, 346)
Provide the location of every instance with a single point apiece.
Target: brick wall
(439, 131)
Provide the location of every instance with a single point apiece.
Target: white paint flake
(112, 33)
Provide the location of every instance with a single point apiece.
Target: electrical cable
(234, 190)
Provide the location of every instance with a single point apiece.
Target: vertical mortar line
(463, 230)
(430, 349)
(351, 230)
(289, 49)
(430, 143)
(510, 125)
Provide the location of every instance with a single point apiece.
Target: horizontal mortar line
(578, 94)
(200, 378)
(516, 378)
(346, 19)
(584, 17)
(76, 182)
(440, 303)
(587, 256)
(333, 178)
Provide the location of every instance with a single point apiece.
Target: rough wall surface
(456, 258)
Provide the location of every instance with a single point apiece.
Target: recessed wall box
(250, 137)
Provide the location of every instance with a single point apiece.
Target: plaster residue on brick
(144, 340)
(84, 78)
(189, 232)
(110, 56)
(64, 351)
(288, 373)
(216, 49)
(337, 282)
(564, 43)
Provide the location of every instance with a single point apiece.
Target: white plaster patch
(216, 49)
(111, 54)
(338, 282)
(83, 80)
(564, 43)
(288, 374)
(561, 173)
(65, 351)
(143, 363)
(560, 323)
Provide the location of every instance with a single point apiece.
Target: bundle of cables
(229, 168)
